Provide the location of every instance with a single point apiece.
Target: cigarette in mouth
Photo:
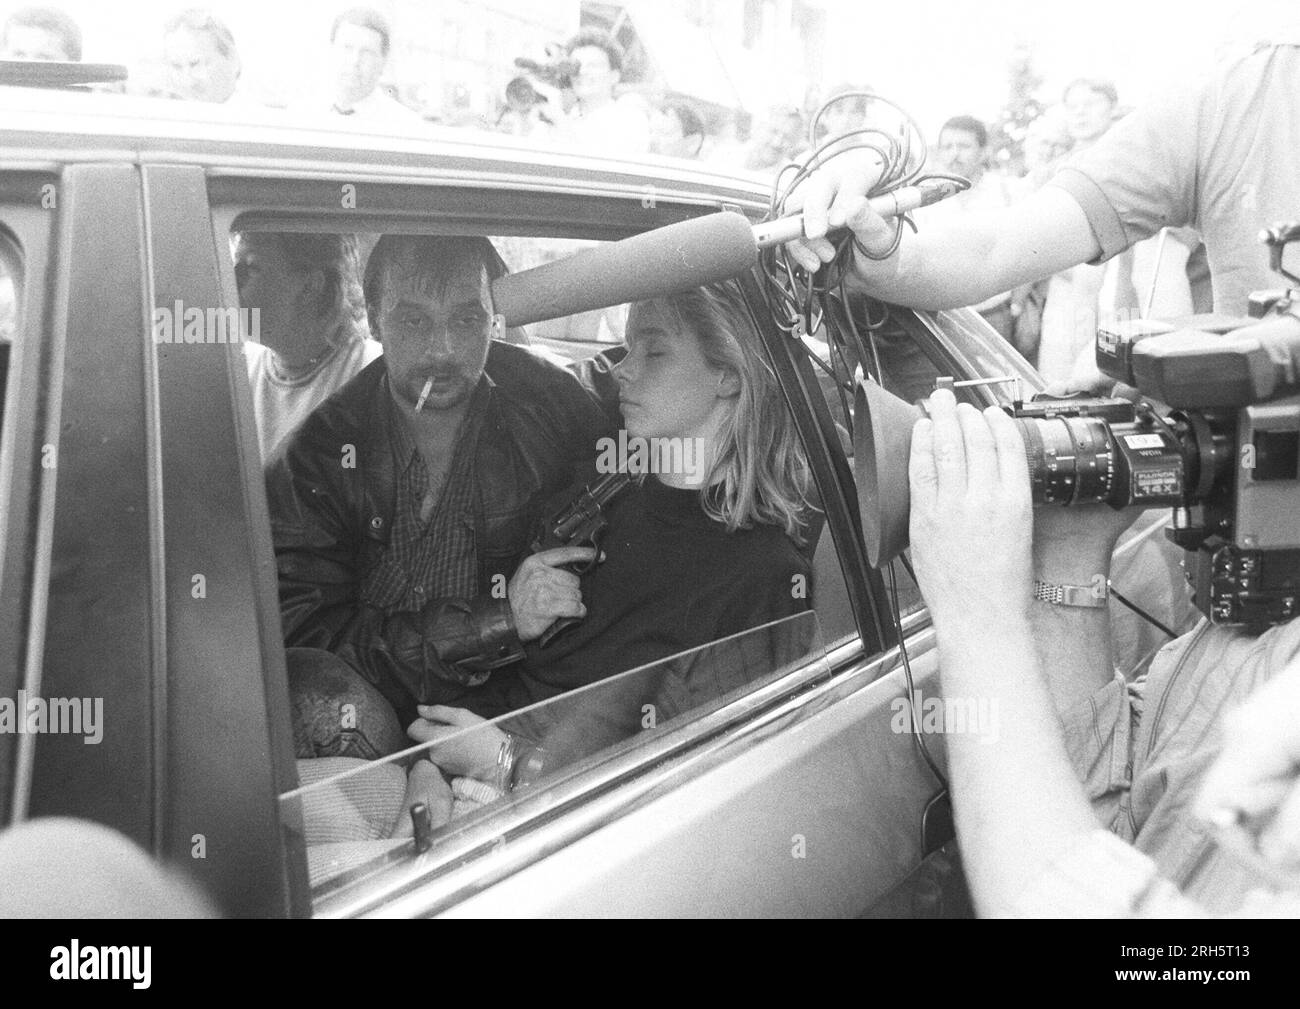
(424, 394)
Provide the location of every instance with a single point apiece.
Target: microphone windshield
(668, 260)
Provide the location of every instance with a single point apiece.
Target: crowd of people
(577, 96)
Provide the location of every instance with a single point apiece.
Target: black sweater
(673, 579)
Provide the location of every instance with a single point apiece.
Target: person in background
(676, 130)
(846, 114)
(527, 111)
(1074, 296)
(600, 117)
(200, 56)
(964, 150)
(360, 42)
(1047, 142)
(306, 289)
(40, 33)
(1090, 105)
(781, 140)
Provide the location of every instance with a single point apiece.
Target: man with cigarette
(402, 508)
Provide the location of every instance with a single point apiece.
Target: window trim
(536, 825)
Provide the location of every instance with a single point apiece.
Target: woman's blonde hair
(759, 472)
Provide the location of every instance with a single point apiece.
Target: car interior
(353, 811)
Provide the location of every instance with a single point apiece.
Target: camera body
(1234, 386)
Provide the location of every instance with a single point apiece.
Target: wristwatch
(1086, 596)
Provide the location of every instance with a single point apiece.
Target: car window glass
(568, 334)
(789, 567)
(355, 814)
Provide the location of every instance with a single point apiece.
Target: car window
(569, 334)
(357, 816)
(593, 703)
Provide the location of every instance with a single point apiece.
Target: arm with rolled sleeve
(1141, 176)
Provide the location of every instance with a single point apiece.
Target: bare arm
(947, 264)
(1018, 804)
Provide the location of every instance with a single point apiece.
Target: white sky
(943, 57)
(935, 57)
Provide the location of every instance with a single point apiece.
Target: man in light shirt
(200, 56)
(40, 33)
(360, 42)
(600, 119)
(310, 323)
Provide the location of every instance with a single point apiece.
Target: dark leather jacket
(330, 522)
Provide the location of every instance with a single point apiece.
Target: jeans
(336, 711)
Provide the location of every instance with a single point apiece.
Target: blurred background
(748, 69)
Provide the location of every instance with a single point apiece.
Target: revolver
(581, 523)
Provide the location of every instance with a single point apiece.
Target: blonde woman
(707, 544)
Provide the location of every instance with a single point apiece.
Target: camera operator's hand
(971, 516)
(835, 196)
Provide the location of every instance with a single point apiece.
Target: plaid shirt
(438, 558)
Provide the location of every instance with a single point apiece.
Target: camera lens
(1071, 460)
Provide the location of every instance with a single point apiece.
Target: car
(136, 562)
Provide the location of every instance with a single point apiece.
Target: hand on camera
(835, 196)
(971, 514)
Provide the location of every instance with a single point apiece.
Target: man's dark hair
(600, 40)
(196, 19)
(1097, 84)
(48, 19)
(441, 254)
(687, 116)
(366, 17)
(968, 124)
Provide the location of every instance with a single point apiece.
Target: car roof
(45, 129)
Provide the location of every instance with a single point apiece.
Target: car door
(815, 761)
(130, 584)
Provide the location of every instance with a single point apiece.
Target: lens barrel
(1071, 459)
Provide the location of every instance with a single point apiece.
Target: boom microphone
(668, 260)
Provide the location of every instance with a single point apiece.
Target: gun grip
(556, 629)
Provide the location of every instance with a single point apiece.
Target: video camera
(1224, 454)
(558, 71)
